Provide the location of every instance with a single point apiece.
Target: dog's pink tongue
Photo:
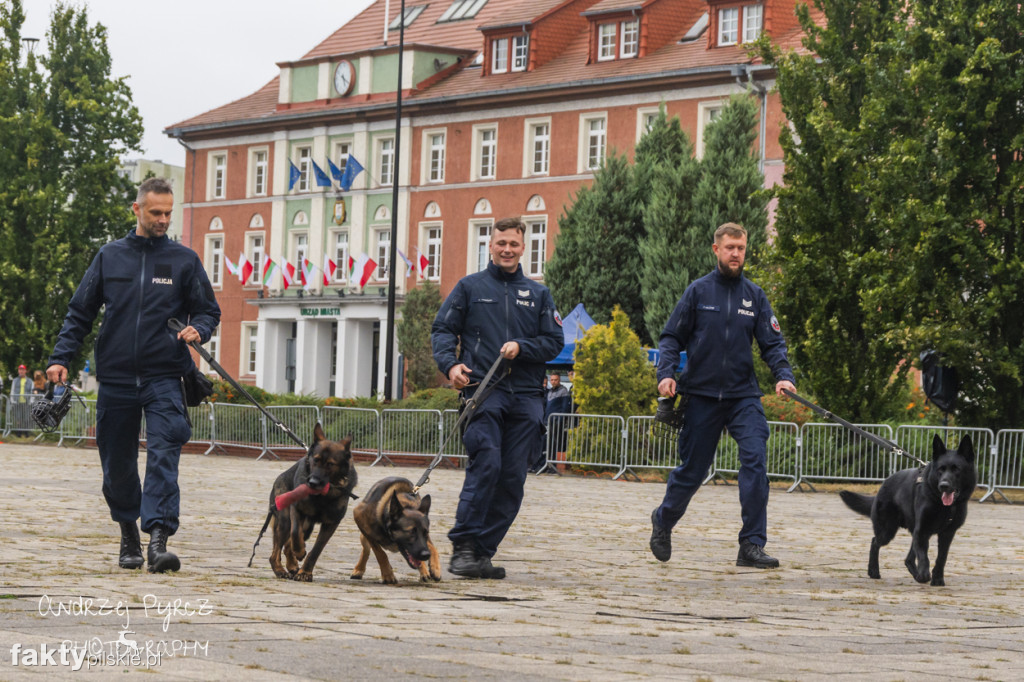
(947, 498)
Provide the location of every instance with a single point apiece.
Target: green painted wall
(385, 73)
(304, 83)
(423, 64)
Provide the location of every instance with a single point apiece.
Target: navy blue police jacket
(141, 283)
(715, 322)
(485, 310)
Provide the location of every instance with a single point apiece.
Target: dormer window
(630, 40)
(510, 54)
(499, 55)
(736, 23)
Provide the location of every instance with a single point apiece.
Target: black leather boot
(753, 556)
(160, 560)
(464, 561)
(131, 546)
(489, 571)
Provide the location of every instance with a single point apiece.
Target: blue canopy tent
(575, 325)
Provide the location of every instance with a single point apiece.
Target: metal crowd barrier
(301, 419)
(917, 440)
(1008, 466)
(592, 440)
(235, 425)
(782, 452)
(453, 449)
(79, 423)
(362, 424)
(409, 433)
(830, 452)
(3, 415)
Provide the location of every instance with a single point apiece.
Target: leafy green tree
(64, 124)
(824, 256)
(730, 188)
(597, 259)
(613, 375)
(413, 333)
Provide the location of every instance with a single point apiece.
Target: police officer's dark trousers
(705, 419)
(119, 410)
(499, 442)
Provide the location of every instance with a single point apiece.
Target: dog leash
(177, 326)
(483, 390)
(877, 440)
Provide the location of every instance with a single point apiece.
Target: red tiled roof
(616, 6)
(568, 69)
(524, 13)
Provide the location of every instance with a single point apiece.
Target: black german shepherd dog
(931, 500)
(391, 517)
(326, 462)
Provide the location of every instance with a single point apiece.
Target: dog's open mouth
(948, 497)
(413, 563)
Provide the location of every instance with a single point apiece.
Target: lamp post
(393, 246)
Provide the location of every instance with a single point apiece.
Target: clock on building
(344, 76)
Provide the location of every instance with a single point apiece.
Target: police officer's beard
(731, 273)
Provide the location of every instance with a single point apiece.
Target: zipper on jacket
(725, 342)
(508, 333)
(138, 318)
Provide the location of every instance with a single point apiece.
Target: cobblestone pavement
(584, 599)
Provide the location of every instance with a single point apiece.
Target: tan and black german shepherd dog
(326, 462)
(392, 517)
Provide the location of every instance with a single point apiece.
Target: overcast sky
(189, 56)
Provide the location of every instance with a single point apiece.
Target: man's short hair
(509, 224)
(153, 186)
(729, 229)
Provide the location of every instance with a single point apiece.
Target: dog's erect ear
(966, 449)
(425, 505)
(318, 434)
(395, 508)
(938, 447)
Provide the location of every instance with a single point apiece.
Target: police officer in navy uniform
(715, 322)
(497, 311)
(141, 281)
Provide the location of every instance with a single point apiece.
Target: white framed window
(386, 160)
(434, 145)
(645, 118)
(300, 248)
(706, 113)
(383, 236)
(753, 16)
(728, 25)
(432, 250)
(606, 42)
(259, 177)
(305, 157)
(254, 250)
(218, 171)
(480, 239)
(485, 151)
(341, 152)
(520, 51)
(629, 41)
(536, 246)
(250, 341)
(593, 141)
(340, 241)
(537, 154)
(215, 259)
(499, 55)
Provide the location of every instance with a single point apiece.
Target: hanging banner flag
(408, 263)
(293, 175)
(422, 263)
(308, 274)
(352, 169)
(269, 268)
(321, 178)
(330, 267)
(244, 268)
(363, 269)
(232, 268)
(287, 274)
(335, 171)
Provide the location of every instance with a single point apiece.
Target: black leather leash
(176, 326)
(877, 440)
(483, 390)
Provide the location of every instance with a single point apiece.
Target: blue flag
(293, 175)
(335, 171)
(321, 178)
(352, 169)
